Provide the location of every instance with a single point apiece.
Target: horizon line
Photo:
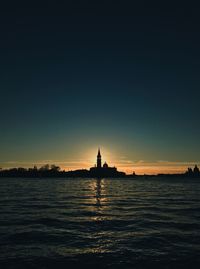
(139, 168)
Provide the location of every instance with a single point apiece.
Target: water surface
(108, 223)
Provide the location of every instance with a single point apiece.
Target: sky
(120, 75)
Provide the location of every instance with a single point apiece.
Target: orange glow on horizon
(123, 164)
(140, 169)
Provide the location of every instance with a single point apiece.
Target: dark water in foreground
(119, 223)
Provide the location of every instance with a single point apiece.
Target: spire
(99, 152)
(99, 159)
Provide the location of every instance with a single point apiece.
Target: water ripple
(107, 223)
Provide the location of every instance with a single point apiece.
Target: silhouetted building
(193, 172)
(189, 171)
(104, 171)
(99, 159)
(105, 165)
(196, 170)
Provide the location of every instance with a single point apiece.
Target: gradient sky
(119, 75)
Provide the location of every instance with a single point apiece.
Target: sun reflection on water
(98, 199)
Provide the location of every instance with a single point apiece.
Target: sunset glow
(140, 168)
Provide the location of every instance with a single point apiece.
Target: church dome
(105, 165)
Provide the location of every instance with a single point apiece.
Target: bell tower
(99, 159)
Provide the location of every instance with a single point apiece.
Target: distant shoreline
(132, 177)
(55, 172)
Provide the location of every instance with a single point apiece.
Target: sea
(99, 223)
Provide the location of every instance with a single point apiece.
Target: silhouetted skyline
(78, 75)
(100, 170)
(97, 171)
